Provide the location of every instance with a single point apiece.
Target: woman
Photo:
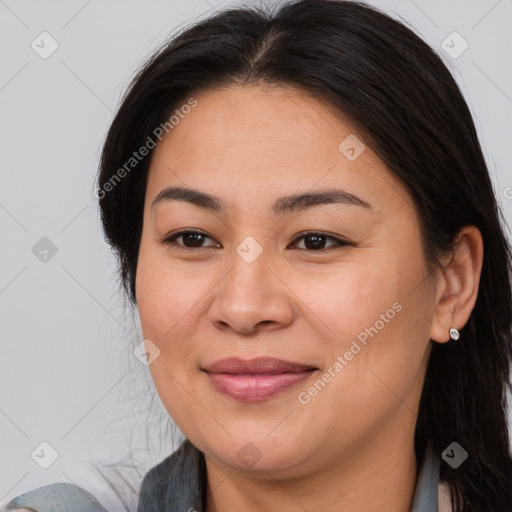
(305, 221)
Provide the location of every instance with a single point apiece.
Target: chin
(259, 454)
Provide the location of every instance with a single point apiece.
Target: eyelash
(173, 236)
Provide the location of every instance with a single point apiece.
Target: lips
(257, 379)
(260, 365)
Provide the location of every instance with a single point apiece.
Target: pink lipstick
(256, 379)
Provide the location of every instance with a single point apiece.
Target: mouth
(256, 379)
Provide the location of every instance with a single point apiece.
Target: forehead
(252, 143)
(257, 120)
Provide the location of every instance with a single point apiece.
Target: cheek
(375, 316)
(165, 300)
(346, 301)
(166, 296)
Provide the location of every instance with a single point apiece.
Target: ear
(457, 284)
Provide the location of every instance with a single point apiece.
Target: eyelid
(170, 239)
(338, 242)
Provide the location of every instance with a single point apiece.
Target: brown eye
(316, 241)
(190, 239)
(313, 241)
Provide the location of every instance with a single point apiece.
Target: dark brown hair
(399, 94)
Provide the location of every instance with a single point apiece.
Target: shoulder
(176, 483)
(59, 497)
(156, 482)
(154, 486)
(187, 458)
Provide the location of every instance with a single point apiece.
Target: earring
(454, 334)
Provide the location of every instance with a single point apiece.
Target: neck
(379, 474)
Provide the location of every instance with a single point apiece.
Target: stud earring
(454, 334)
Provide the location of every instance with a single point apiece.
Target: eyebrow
(283, 204)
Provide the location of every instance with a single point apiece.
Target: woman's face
(357, 312)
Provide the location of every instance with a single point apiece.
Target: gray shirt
(178, 484)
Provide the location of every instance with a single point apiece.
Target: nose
(252, 297)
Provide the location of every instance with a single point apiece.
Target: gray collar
(178, 483)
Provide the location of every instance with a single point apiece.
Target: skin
(351, 447)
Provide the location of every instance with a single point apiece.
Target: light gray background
(68, 375)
